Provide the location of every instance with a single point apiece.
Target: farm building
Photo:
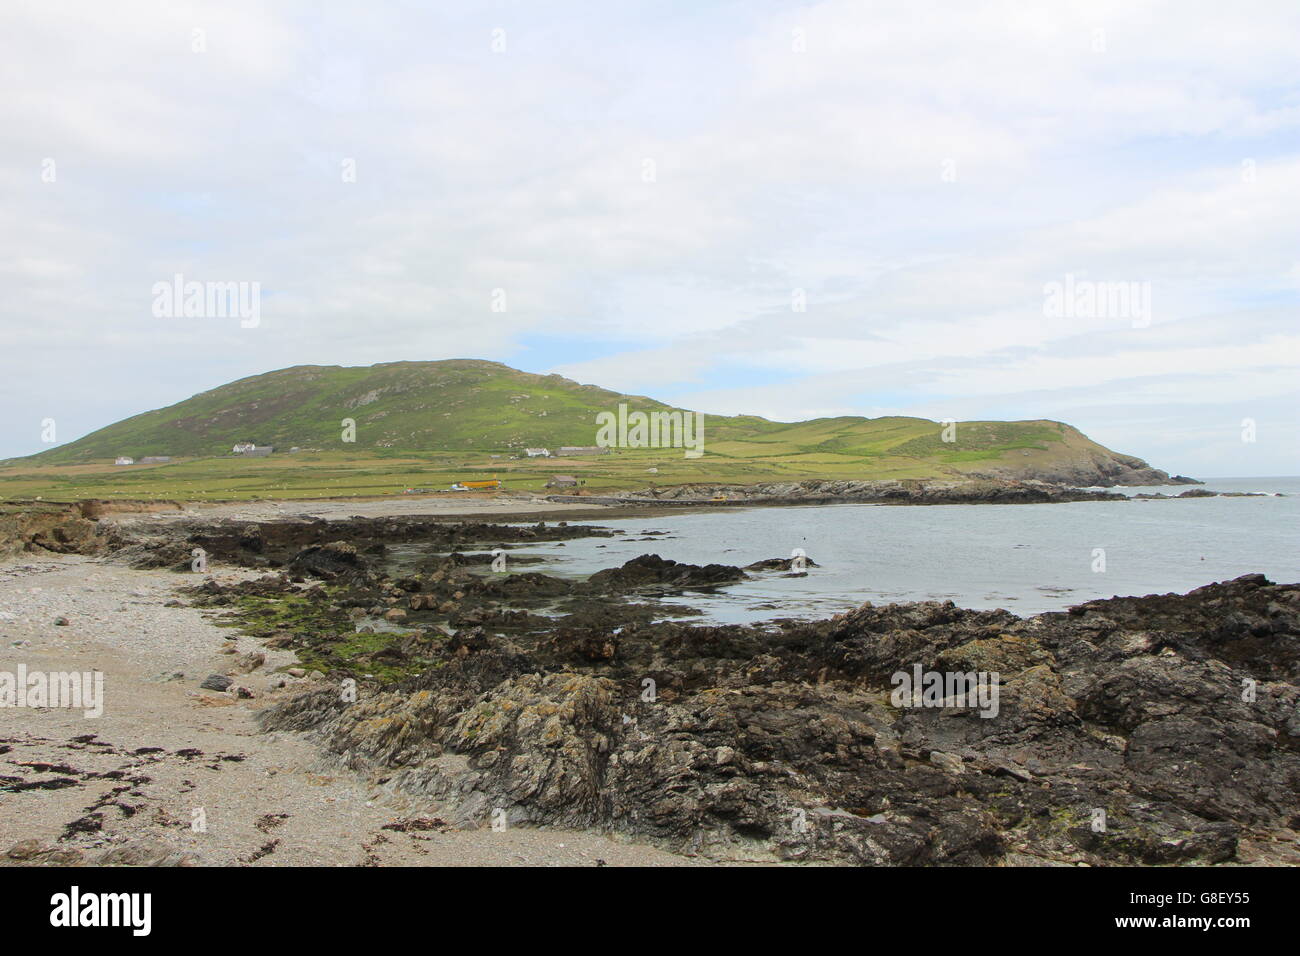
(562, 481)
(571, 450)
(243, 447)
(155, 459)
(123, 460)
(537, 452)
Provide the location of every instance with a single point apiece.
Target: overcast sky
(656, 187)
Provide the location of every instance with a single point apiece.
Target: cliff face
(1104, 469)
(1075, 460)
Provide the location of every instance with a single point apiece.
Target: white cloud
(1160, 149)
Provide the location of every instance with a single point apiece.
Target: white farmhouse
(537, 452)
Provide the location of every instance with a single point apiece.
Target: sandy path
(266, 799)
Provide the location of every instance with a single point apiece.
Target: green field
(430, 424)
(347, 473)
(340, 474)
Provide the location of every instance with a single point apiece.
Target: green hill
(461, 404)
(468, 413)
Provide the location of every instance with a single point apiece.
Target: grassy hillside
(403, 406)
(427, 424)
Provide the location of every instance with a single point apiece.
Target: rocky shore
(976, 491)
(1154, 730)
(909, 492)
(89, 526)
(750, 742)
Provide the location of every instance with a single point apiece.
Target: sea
(1026, 558)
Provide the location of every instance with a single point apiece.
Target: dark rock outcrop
(1146, 730)
(331, 560)
(779, 564)
(61, 529)
(650, 570)
(990, 490)
(1155, 730)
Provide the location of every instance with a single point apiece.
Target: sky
(842, 208)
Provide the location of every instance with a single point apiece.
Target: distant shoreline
(72, 527)
(656, 501)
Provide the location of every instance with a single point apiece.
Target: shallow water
(1025, 558)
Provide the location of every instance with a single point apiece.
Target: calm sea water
(1025, 558)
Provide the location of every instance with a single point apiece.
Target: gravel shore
(130, 786)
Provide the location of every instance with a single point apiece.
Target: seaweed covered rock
(1136, 730)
